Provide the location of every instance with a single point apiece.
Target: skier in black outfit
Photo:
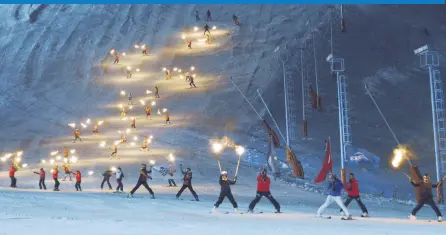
(225, 191)
(426, 196)
(187, 183)
(197, 17)
(107, 174)
(157, 94)
(119, 177)
(143, 176)
(206, 29)
(191, 82)
(208, 16)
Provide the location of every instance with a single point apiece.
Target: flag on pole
(327, 165)
(271, 158)
(276, 141)
(298, 171)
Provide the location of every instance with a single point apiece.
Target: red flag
(327, 164)
(276, 141)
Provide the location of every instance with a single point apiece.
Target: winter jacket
(78, 176)
(352, 188)
(225, 185)
(335, 188)
(119, 175)
(144, 175)
(172, 171)
(42, 175)
(187, 179)
(263, 183)
(426, 189)
(107, 174)
(12, 171)
(66, 168)
(55, 173)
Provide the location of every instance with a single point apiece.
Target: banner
(327, 165)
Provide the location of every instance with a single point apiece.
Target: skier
(119, 177)
(334, 187)
(235, 19)
(55, 178)
(95, 129)
(107, 174)
(426, 196)
(65, 154)
(12, 171)
(77, 135)
(148, 110)
(171, 172)
(189, 44)
(191, 82)
(129, 73)
(67, 170)
(133, 123)
(206, 29)
(114, 152)
(130, 99)
(143, 176)
(123, 112)
(145, 144)
(41, 178)
(167, 118)
(208, 39)
(116, 58)
(225, 191)
(263, 183)
(168, 75)
(144, 50)
(208, 16)
(187, 183)
(197, 17)
(78, 175)
(156, 92)
(123, 139)
(352, 189)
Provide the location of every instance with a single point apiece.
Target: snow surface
(51, 76)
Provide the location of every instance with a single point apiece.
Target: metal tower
(430, 60)
(337, 67)
(290, 103)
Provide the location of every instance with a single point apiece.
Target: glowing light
(142, 102)
(181, 76)
(144, 46)
(120, 106)
(54, 153)
(164, 110)
(217, 147)
(17, 159)
(194, 75)
(137, 70)
(124, 54)
(195, 29)
(113, 168)
(123, 92)
(83, 125)
(100, 122)
(72, 151)
(239, 150)
(151, 137)
(152, 162)
(117, 142)
(136, 46)
(135, 138)
(3, 159)
(58, 157)
(153, 103)
(52, 170)
(130, 107)
(183, 36)
(164, 69)
(132, 144)
(159, 112)
(24, 165)
(102, 144)
(19, 153)
(398, 156)
(179, 70)
(72, 125)
(73, 159)
(192, 68)
(214, 27)
(129, 68)
(52, 161)
(149, 141)
(175, 69)
(91, 173)
(171, 157)
(88, 121)
(112, 51)
(148, 92)
(65, 160)
(43, 161)
(124, 119)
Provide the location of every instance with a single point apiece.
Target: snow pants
(329, 201)
(56, 183)
(13, 181)
(77, 138)
(157, 95)
(222, 197)
(67, 174)
(208, 18)
(120, 185)
(189, 186)
(428, 201)
(206, 30)
(172, 182)
(78, 186)
(108, 182)
(42, 184)
(267, 195)
(192, 84)
(143, 184)
(358, 200)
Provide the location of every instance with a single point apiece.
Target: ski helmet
(225, 173)
(188, 169)
(143, 165)
(264, 171)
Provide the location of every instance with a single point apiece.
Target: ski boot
(440, 219)
(278, 211)
(178, 198)
(196, 199)
(213, 210)
(129, 195)
(250, 211)
(365, 214)
(237, 211)
(412, 217)
(153, 196)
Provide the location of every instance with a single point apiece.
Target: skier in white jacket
(119, 177)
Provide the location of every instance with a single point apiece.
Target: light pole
(429, 59)
(217, 148)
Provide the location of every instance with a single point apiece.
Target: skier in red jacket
(78, 180)
(263, 183)
(352, 188)
(55, 178)
(41, 178)
(12, 171)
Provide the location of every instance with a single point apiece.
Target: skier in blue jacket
(334, 188)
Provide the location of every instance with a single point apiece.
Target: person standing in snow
(119, 177)
(206, 29)
(41, 178)
(55, 178)
(12, 171)
(143, 177)
(133, 123)
(145, 144)
(189, 44)
(167, 117)
(114, 152)
(144, 50)
(235, 19)
(334, 187)
(197, 17)
(191, 82)
(263, 190)
(208, 16)
(67, 171)
(352, 189)
(187, 183)
(117, 56)
(130, 99)
(78, 176)
(157, 95)
(107, 174)
(77, 135)
(129, 73)
(225, 191)
(65, 154)
(148, 112)
(426, 196)
(95, 129)
(171, 172)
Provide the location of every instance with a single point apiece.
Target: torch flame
(398, 156)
